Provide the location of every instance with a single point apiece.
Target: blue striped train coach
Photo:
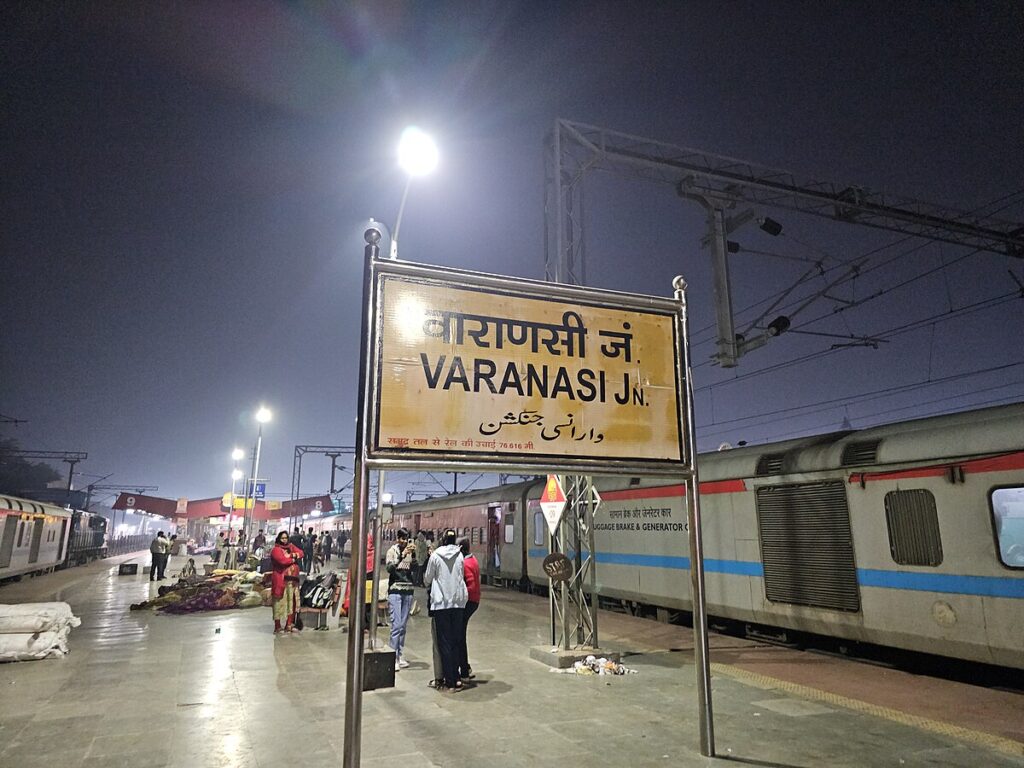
(909, 535)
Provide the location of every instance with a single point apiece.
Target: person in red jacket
(284, 581)
(370, 554)
(471, 572)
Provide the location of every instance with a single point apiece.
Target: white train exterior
(38, 538)
(908, 535)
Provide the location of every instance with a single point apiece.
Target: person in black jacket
(400, 559)
(308, 545)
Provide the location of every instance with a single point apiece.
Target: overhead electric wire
(897, 331)
(868, 254)
(872, 395)
(817, 430)
(831, 405)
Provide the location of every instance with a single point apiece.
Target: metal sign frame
(490, 460)
(370, 356)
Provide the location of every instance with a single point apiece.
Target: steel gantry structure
(71, 457)
(722, 184)
(331, 451)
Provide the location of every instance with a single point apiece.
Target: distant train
(37, 537)
(908, 535)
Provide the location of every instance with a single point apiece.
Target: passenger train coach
(37, 537)
(908, 535)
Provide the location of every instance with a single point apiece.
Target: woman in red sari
(284, 581)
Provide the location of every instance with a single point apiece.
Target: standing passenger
(284, 581)
(328, 543)
(400, 559)
(471, 569)
(158, 549)
(422, 555)
(444, 577)
(308, 545)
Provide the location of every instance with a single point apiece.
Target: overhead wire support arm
(720, 184)
(741, 181)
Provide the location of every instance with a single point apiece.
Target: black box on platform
(128, 569)
(378, 669)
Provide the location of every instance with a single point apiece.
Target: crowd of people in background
(449, 572)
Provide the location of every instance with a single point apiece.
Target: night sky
(184, 186)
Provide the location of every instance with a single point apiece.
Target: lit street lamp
(417, 156)
(263, 415)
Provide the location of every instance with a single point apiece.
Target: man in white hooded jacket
(448, 596)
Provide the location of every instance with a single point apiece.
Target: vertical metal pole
(563, 529)
(561, 267)
(375, 588)
(71, 474)
(247, 519)
(552, 610)
(702, 660)
(595, 602)
(717, 234)
(357, 566)
(579, 510)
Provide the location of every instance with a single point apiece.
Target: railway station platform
(219, 689)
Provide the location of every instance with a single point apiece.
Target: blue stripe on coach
(951, 583)
(948, 583)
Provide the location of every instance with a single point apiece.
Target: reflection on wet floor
(219, 689)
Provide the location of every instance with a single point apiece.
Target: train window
(510, 528)
(21, 533)
(539, 527)
(1008, 517)
(913, 527)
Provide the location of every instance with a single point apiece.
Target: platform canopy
(197, 509)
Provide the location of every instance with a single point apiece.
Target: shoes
(435, 684)
(402, 664)
(458, 688)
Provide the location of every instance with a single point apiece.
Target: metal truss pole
(333, 451)
(580, 499)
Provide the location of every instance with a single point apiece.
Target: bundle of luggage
(319, 592)
(35, 630)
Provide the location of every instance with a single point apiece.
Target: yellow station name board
(486, 373)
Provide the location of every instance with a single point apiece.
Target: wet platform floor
(219, 689)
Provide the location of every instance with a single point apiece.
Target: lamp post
(263, 415)
(417, 156)
(237, 454)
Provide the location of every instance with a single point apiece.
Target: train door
(63, 537)
(37, 539)
(7, 545)
(494, 537)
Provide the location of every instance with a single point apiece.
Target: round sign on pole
(558, 567)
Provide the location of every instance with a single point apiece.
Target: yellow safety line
(998, 743)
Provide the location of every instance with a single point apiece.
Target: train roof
(950, 437)
(16, 504)
(987, 431)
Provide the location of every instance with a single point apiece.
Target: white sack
(51, 614)
(39, 645)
